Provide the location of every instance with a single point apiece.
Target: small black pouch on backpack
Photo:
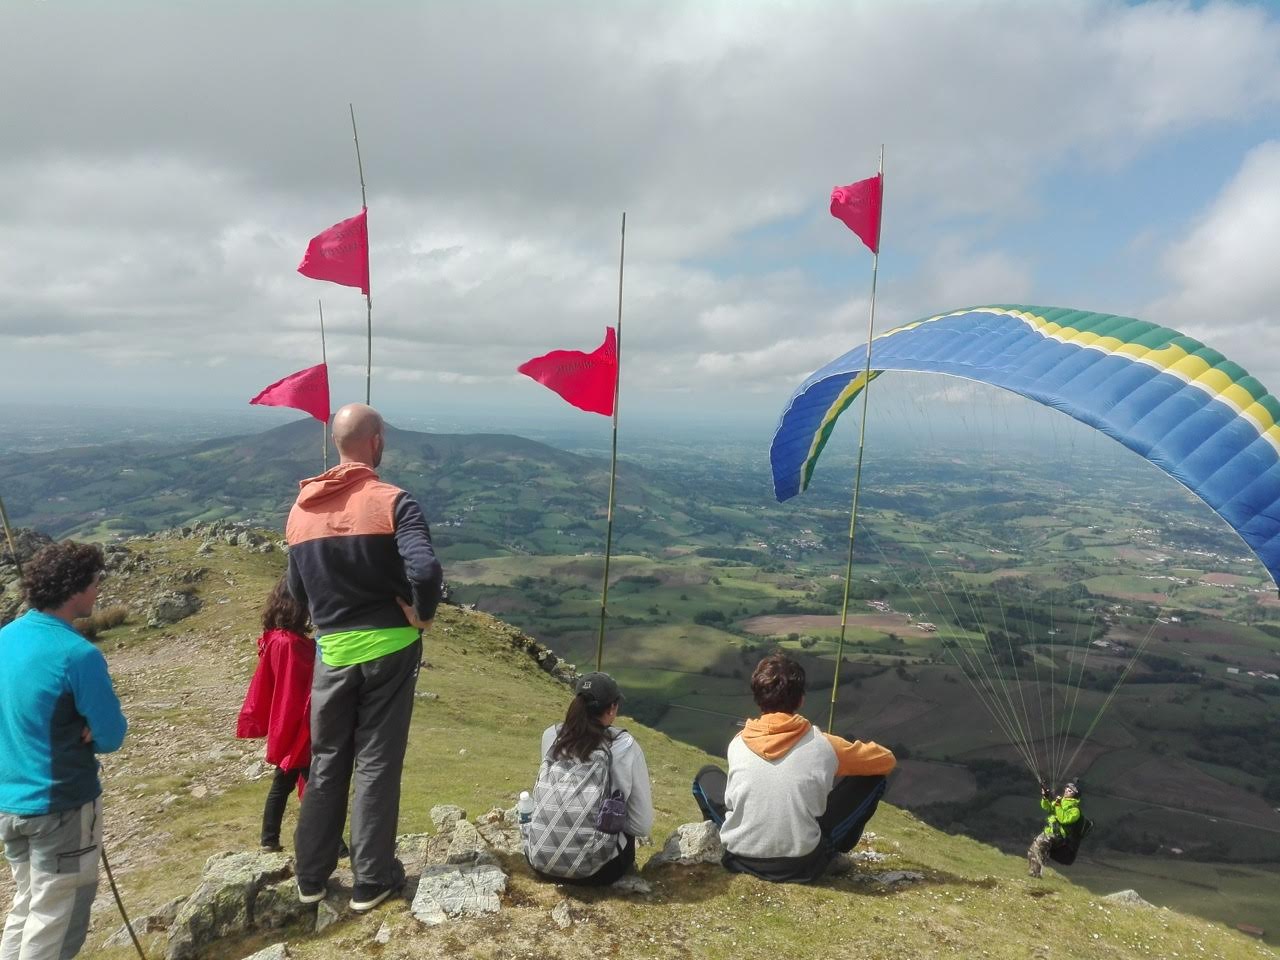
(612, 815)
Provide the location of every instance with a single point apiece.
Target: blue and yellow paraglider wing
(1185, 407)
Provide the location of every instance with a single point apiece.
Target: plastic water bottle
(524, 806)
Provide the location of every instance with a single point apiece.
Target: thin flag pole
(613, 465)
(8, 533)
(862, 437)
(368, 297)
(324, 358)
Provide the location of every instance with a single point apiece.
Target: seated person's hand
(86, 736)
(411, 615)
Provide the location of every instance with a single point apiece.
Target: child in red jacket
(278, 704)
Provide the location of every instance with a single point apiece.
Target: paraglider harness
(1064, 848)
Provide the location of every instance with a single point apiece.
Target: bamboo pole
(368, 297)
(8, 533)
(862, 436)
(613, 464)
(324, 358)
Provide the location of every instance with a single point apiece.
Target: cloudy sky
(164, 164)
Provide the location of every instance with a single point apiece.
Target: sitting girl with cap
(592, 797)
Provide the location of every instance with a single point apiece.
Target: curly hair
(60, 571)
(282, 612)
(778, 684)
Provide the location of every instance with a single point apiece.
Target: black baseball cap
(598, 689)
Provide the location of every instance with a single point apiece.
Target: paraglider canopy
(1186, 408)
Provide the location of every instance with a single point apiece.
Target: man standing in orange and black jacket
(360, 557)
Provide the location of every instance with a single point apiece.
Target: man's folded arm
(413, 540)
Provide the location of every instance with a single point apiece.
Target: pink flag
(586, 380)
(858, 207)
(307, 390)
(340, 254)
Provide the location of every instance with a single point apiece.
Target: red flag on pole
(586, 380)
(340, 254)
(857, 206)
(307, 390)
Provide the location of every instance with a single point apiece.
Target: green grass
(476, 746)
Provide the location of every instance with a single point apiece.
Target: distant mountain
(482, 492)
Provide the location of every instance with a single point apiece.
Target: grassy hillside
(180, 791)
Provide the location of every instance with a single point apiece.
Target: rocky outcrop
(691, 843)
(27, 543)
(1128, 898)
(238, 893)
(157, 922)
(539, 653)
(213, 532)
(170, 607)
(453, 892)
(277, 951)
(500, 829)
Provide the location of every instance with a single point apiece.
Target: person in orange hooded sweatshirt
(795, 797)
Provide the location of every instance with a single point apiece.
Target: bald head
(358, 434)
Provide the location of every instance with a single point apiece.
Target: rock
(691, 843)
(205, 548)
(465, 843)
(170, 607)
(238, 893)
(277, 951)
(561, 915)
(156, 922)
(164, 917)
(630, 883)
(121, 937)
(1130, 898)
(326, 915)
(267, 547)
(445, 815)
(425, 695)
(383, 935)
(501, 830)
(200, 791)
(277, 904)
(447, 892)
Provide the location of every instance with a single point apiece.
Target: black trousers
(609, 873)
(282, 784)
(850, 804)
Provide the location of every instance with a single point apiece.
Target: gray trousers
(359, 723)
(54, 859)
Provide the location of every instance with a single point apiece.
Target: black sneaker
(310, 892)
(366, 896)
(271, 847)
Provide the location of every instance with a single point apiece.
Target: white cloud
(1224, 273)
(173, 169)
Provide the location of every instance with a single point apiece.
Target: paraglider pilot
(1064, 811)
